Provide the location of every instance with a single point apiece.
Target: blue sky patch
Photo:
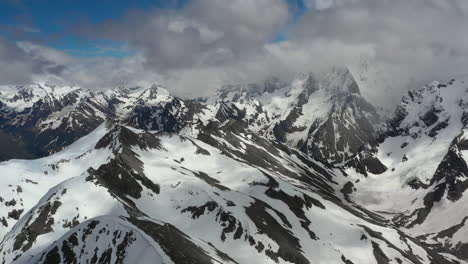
(48, 20)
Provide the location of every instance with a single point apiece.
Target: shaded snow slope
(262, 173)
(227, 196)
(24, 182)
(47, 118)
(416, 171)
(323, 115)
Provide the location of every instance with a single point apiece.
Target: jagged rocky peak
(252, 184)
(337, 80)
(46, 118)
(236, 92)
(417, 169)
(154, 94)
(337, 85)
(139, 93)
(241, 92)
(428, 109)
(225, 197)
(340, 79)
(286, 94)
(21, 97)
(323, 114)
(120, 136)
(274, 108)
(432, 112)
(302, 86)
(327, 118)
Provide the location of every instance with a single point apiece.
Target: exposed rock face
(271, 173)
(190, 200)
(419, 163)
(45, 118)
(324, 116)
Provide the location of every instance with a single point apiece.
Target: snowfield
(274, 173)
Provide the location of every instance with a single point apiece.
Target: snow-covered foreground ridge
(272, 173)
(131, 196)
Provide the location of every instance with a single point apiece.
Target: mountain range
(306, 171)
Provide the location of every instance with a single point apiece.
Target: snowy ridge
(47, 118)
(262, 173)
(416, 171)
(223, 203)
(323, 115)
(27, 181)
(21, 97)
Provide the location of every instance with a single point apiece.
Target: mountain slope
(323, 115)
(47, 118)
(272, 173)
(229, 196)
(416, 171)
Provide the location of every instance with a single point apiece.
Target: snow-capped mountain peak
(416, 171)
(276, 172)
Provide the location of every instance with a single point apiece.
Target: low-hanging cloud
(413, 42)
(20, 66)
(195, 49)
(202, 33)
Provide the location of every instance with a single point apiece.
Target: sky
(194, 46)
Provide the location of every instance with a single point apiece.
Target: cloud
(192, 50)
(203, 32)
(195, 49)
(412, 41)
(19, 66)
(26, 62)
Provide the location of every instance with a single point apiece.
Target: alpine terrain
(301, 171)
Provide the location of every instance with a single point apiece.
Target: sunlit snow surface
(226, 194)
(417, 156)
(232, 182)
